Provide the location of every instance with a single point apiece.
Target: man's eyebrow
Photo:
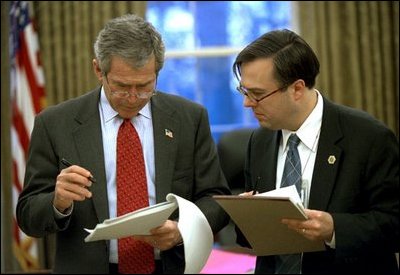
(117, 82)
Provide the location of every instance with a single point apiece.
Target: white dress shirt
(309, 137)
(110, 122)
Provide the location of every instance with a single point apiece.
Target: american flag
(27, 99)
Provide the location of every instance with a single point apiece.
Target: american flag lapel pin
(169, 133)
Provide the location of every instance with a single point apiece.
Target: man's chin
(266, 124)
(263, 123)
(127, 114)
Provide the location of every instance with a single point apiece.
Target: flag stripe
(27, 94)
(25, 62)
(34, 54)
(17, 182)
(19, 125)
(18, 158)
(23, 99)
(16, 232)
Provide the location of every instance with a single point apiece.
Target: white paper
(196, 234)
(289, 191)
(138, 222)
(286, 192)
(194, 228)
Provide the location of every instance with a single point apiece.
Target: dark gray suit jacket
(360, 190)
(186, 165)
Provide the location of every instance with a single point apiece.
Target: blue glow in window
(208, 79)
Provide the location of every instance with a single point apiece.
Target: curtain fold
(357, 44)
(67, 31)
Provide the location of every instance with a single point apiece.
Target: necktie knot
(125, 122)
(293, 141)
(292, 169)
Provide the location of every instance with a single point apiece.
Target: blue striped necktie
(292, 171)
(290, 263)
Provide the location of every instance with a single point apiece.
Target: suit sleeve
(376, 228)
(209, 179)
(35, 214)
(240, 238)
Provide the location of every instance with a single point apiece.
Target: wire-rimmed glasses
(145, 93)
(247, 93)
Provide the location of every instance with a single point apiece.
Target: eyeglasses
(247, 93)
(145, 93)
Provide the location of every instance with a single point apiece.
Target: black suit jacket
(186, 165)
(360, 190)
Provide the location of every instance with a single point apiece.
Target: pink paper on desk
(223, 262)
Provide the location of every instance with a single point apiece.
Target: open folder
(259, 219)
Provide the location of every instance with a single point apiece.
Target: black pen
(68, 164)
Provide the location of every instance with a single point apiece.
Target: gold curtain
(357, 43)
(67, 31)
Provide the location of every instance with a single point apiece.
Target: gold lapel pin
(331, 159)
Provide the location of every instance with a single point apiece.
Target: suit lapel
(266, 153)
(88, 140)
(166, 137)
(328, 159)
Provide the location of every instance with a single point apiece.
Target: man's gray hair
(131, 38)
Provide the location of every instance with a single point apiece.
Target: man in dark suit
(349, 161)
(179, 154)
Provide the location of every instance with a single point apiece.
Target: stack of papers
(139, 222)
(194, 228)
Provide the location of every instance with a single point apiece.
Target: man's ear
(299, 88)
(97, 70)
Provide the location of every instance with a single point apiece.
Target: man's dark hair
(293, 58)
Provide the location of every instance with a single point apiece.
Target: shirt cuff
(332, 243)
(67, 212)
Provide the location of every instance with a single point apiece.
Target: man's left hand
(163, 237)
(318, 226)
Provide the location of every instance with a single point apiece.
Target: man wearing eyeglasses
(179, 157)
(346, 162)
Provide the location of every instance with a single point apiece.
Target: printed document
(193, 226)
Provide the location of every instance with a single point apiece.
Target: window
(202, 39)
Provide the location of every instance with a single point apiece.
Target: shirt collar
(309, 130)
(146, 110)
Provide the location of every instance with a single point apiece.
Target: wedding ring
(304, 230)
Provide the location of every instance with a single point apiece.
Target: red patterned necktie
(133, 256)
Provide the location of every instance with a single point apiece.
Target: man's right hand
(250, 193)
(72, 185)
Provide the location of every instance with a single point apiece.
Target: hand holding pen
(68, 164)
(72, 185)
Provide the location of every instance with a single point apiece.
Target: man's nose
(247, 102)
